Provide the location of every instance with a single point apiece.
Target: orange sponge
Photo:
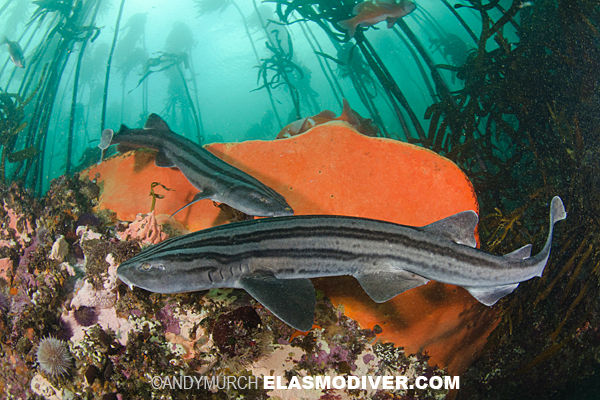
(332, 169)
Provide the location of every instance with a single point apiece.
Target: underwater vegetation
(520, 117)
(278, 69)
(523, 128)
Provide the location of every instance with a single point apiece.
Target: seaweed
(155, 195)
(12, 113)
(279, 70)
(524, 130)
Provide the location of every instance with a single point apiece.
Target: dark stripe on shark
(227, 174)
(296, 228)
(328, 256)
(335, 255)
(272, 258)
(213, 164)
(215, 178)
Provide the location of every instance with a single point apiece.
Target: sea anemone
(53, 356)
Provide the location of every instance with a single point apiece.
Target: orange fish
(371, 12)
(302, 125)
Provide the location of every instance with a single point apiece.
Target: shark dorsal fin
(291, 300)
(460, 228)
(156, 122)
(520, 254)
(123, 129)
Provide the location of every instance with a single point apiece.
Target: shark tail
(105, 141)
(106, 138)
(490, 295)
(557, 213)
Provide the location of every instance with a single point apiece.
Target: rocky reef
(69, 329)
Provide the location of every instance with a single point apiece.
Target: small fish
(302, 125)
(215, 179)
(16, 53)
(372, 12)
(272, 259)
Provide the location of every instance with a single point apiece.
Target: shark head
(144, 274)
(165, 269)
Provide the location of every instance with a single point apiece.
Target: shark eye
(146, 267)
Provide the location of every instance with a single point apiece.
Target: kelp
(327, 15)
(156, 196)
(526, 113)
(92, 34)
(524, 127)
(109, 64)
(12, 115)
(278, 69)
(22, 154)
(65, 26)
(164, 62)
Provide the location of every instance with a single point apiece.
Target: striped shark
(215, 179)
(272, 259)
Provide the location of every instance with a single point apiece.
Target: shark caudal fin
(291, 300)
(106, 138)
(490, 295)
(557, 213)
(105, 141)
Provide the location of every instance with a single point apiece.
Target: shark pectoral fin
(163, 161)
(520, 254)
(106, 138)
(383, 285)
(205, 194)
(460, 228)
(490, 295)
(291, 300)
